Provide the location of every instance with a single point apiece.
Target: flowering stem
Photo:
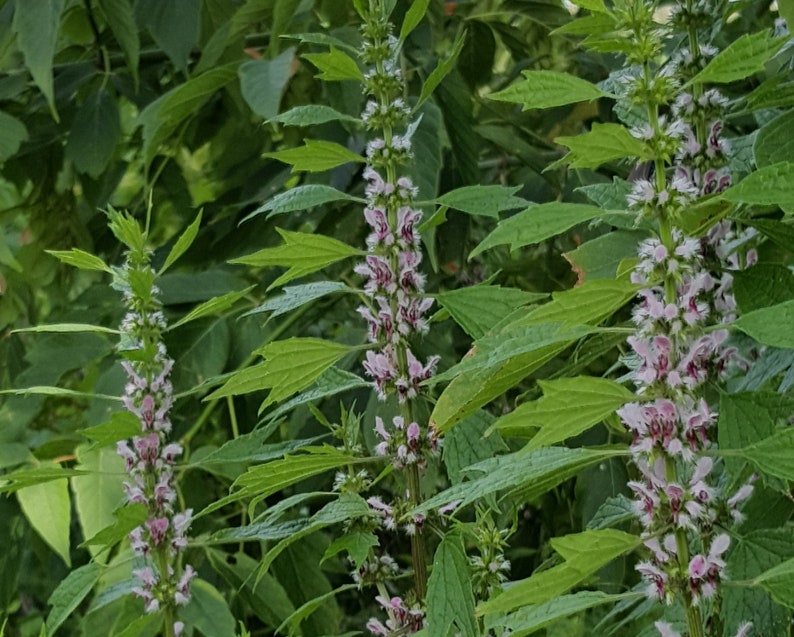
(417, 539)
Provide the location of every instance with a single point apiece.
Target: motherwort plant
(678, 342)
(161, 580)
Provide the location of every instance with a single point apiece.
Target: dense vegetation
(327, 317)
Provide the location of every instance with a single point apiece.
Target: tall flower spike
(149, 456)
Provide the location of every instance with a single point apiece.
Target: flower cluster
(407, 445)
(150, 458)
(403, 620)
(394, 283)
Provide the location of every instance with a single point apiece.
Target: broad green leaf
(283, 13)
(589, 303)
(213, 306)
(306, 610)
(546, 89)
(182, 244)
(762, 285)
(125, 519)
(773, 143)
(613, 511)
(601, 258)
(144, 625)
(25, 478)
(584, 554)
(250, 448)
(316, 156)
(12, 134)
(356, 544)
(768, 186)
(479, 308)
(47, 507)
(469, 443)
(450, 599)
(743, 57)
(267, 598)
(44, 390)
(121, 20)
(514, 341)
(311, 115)
(296, 296)
(779, 583)
(610, 195)
(781, 233)
(80, 259)
(569, 406)
(772, 325)
(530, 619)
(208, 611)
(174, 25)
(302, 253)
(533, 472)
(775, 92)
(161, 118)
(441, 71)
(263, 82)
(66, 328)
(94, 134)
(486, 201)
(773, 456)
(290, 366)
(335, 66)
(413, 17)
(69, 593)
(98, 493)
(301, 198)
(588, 26)
(264, 480)
(604, 143)
(537, 223)
(36, 25)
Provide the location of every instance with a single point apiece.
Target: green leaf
(297, 296)
(450, 600)
(36, 25)
(311, 115)
(772, 325)
(604, 143)
(589, 303)
(530, 619)
(12, 134)
(174, 25)
(121, 20)
(316, 156)
(208, 611)
(94, 134)
(569, 406)
(264, 480)
(499, 348)
(307, 609)
(126, 518)
(182, 244)
(779, 583)
(612, 512)
(592, 5)
(99, 492)
(773, 456)
(470, 442)
(69, 593)
(263, 82)
(80, 259)
(356, 544)
(781, 233)
(413, 17)
(144, 625)
(66, 328)
(601, 258)
(161, 118)
(486, 201)
(335, 66)
(768, 186)
(302, 253)
(214, 306)
(773, 143)
(480, 308)
(47, 507)
(584, 554)
(533, 472)
(250, 448)
(290, 366)
(743, 57)
(546, 89)
(25, 478)
(441, 71)
(537, 223)
(301, 198)
(762, 285)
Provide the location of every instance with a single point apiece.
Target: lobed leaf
(743, 57)
(547, 89)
